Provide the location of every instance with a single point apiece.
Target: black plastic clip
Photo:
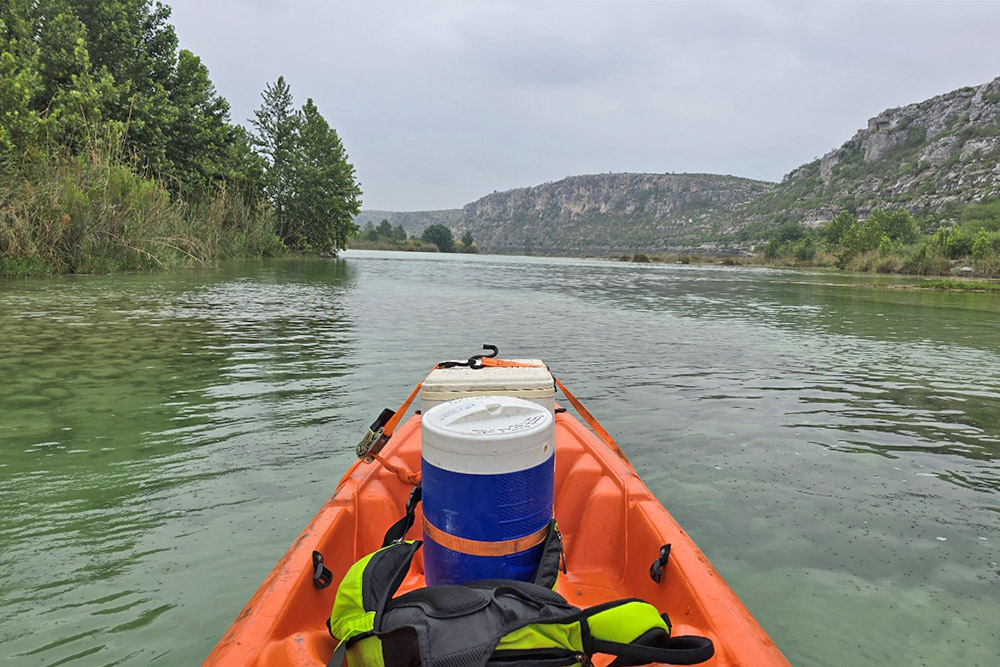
(321, 575)
(656, 569)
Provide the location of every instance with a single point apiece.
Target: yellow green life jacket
(490, 623)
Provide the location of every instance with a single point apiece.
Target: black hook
(476, 360)
(321, 575)
(656, 569)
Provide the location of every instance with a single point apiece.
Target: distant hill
(609, 212)
(414, 222)
(931, 158)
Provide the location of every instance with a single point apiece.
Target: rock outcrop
(926, 157)
(608, 213)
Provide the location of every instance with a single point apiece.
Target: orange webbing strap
(391, 425)
(592, 422)
(490, 361)
(480, 548)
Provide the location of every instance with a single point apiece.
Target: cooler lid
(490, 378)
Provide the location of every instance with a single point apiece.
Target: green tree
(399, 233)
(243, 167)
(440, 236)
(20, 84)
(200, 135)
(467, 239)
(833, 231)
(789, 231)
(325, 197)
(384, 229)
(276, 124)
(369, 232)
(982, 245)
(133, 41)
(898, 225)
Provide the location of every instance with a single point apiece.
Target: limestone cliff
(930, 158)
(608, 212)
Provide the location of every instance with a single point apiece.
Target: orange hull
(612, 528)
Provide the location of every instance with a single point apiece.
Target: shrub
(773, 249)
(926, 260)
(804, 250)
(988, 266)
(985, 243)
(440, 236)
(833, 232)
(641, 258)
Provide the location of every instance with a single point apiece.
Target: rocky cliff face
(608, 212)
(925, 157)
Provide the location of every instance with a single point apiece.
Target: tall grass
(96, 212)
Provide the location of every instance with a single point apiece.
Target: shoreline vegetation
(118, 154)
(435, 238)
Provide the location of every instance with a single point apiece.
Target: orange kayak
(612, 527)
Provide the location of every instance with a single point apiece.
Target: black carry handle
(684, 650)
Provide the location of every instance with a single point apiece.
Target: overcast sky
(440, 103)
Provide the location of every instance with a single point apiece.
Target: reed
(97, 212)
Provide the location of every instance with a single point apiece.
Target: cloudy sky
(439, 103)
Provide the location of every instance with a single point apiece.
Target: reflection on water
(832, 448)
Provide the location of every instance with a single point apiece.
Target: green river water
(833, 449)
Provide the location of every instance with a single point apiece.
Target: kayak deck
(612, 528)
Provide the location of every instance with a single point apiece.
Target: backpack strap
(398, 530)
(612, 629)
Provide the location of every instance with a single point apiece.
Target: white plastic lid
(486, 435)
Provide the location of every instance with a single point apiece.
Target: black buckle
(374, 440)
(656, 569)
(321, 575)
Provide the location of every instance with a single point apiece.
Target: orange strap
(593, 423)
(480, 548)
(391, 425)
(403, 474)
(504, 363)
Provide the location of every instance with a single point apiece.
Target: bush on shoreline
(891, 242)
(95, 213)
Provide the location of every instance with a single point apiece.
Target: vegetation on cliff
(894, 241)
(116, 151)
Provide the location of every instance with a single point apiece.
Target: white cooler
(531, 383)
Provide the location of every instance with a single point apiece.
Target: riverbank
(409, 245)
(97, 213)
(955, 275)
